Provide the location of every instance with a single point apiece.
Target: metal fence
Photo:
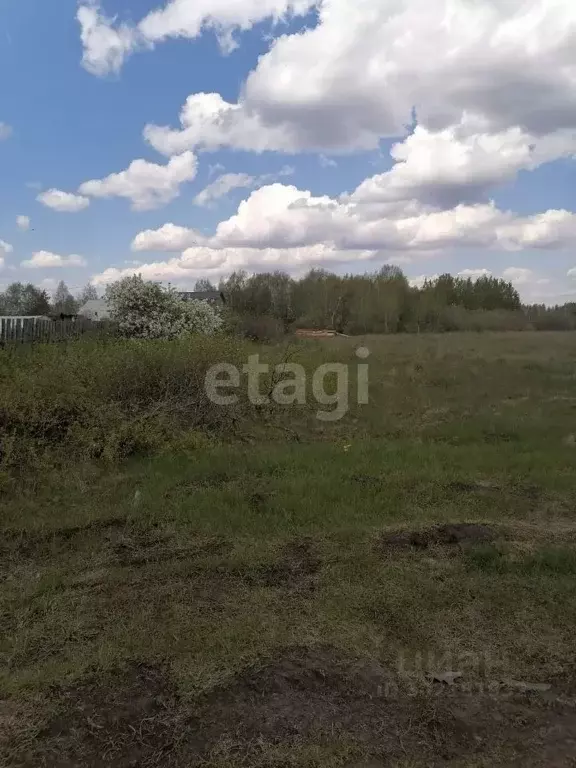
(22, 330)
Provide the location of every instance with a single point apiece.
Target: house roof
(94, 305)
(201, 296)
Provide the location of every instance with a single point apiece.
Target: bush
(94, 400)
(146, 310)
(260, 328)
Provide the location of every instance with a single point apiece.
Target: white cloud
(107, 43)
(170, 237)
(473, 92)
(418, 282)
(523, 276)
(551, 229)
(23, 223)
(5, 248)
(146, 184)
(64, 202)
(46, 259)
(210, 262)
(504, 64)
(209, 122)
(474, 274)
(460, 163)
(225, 183)
(279, 216)
(222, 185)
(5, 131)
(327, 162)
(49, 284)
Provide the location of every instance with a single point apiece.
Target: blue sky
(311, 116)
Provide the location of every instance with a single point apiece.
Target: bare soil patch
(451, 534)
(296, 570)
(134, 717)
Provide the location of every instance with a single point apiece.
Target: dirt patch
(133, 717)
(322, 696)
(480, 487)
(127, 718)
(296, 570)
(451, 534)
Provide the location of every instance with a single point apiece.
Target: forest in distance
(269, 304)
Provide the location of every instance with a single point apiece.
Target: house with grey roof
(95, 309)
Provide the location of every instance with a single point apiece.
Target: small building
(95, 309)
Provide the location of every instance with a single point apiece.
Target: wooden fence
(22, 330)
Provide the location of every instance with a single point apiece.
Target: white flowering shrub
(146, 310)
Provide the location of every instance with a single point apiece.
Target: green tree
(63, 301)
(20, 299)
(204, 285)
(88, 293)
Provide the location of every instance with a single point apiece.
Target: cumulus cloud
(222, 185)
(419, 280)
(48, 260)
(523, 276)
(550, 230)
(226, 182)
(5, 131)
(208, 122)
(460, 163)
(282, 216)
(507, 64)
(146, 184)
(64, 202)
(327, 162)
(23, 223)
(209, 262)
(107, 43)
(474, 274)
(169, 237)
(472, 93)
(5, 248)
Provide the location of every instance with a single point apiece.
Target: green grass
(223, 559)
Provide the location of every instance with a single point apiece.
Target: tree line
(266, 305)
(26, 299)
(383, 302)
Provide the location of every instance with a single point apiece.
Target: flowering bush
(146, 310)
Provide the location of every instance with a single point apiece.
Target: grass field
(397, 588)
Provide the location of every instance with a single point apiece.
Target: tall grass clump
(94, 400)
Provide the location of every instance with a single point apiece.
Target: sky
(186, 139)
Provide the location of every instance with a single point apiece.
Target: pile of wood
(309, 333)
